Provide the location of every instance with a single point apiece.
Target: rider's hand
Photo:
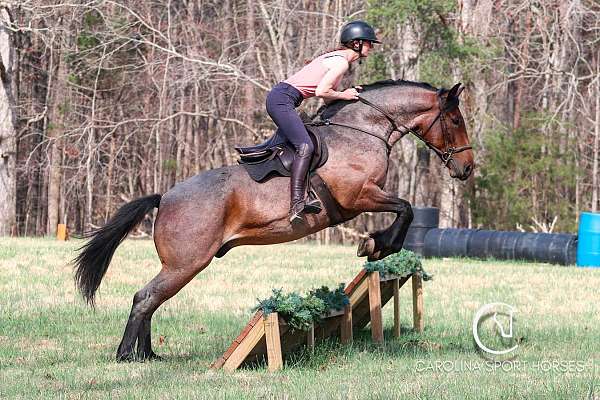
(350, 94)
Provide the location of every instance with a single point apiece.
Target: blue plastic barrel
(588, 246)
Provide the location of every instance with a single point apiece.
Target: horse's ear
(455, 91)
(451, 101)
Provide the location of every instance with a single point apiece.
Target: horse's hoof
(375, 256)
(154, 357)
(366, 246)
(128, 357)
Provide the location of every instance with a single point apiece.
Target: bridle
(445, 155)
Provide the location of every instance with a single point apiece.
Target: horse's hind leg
(144, 343)
(145, 302)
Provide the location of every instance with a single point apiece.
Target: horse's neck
(364, 117)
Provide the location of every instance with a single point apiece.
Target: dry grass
(53, 346)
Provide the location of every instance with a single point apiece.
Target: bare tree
(113, 99)
(8, 179)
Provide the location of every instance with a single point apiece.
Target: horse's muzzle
(462, 172)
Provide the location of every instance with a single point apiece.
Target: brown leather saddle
(266, 160)
(275, 158)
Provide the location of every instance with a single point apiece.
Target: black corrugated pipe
(424, 219)
(429, 241)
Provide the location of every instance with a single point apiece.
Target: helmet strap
(360, 47)
(359, 50)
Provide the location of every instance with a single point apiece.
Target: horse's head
(444, 131)
(403, 106)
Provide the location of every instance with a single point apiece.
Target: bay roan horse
(224, 207)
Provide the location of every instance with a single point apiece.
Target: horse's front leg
(382, 243)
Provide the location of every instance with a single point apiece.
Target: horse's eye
(455, 121)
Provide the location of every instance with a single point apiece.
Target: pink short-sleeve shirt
(307, 79)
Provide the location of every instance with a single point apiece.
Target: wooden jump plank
(417, 287)
(274, 356)
(237, 357)
(396, 290)
(255, 319)
(239, 339)
(375, 307)
(252, 344)
(359, 293)
(310, 339)
(346, 334)
(259, 353)
(357, 279)
(360, 314)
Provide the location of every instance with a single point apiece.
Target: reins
(444, 155)
(327, 122)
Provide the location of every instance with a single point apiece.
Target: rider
(320, 78)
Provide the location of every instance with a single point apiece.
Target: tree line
(104, 101)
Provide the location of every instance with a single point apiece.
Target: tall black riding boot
(298, 183)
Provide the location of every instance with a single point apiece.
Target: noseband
(445, 155)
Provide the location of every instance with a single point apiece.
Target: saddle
(266, 160)
(275, 158)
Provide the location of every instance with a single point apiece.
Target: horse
(223, 208)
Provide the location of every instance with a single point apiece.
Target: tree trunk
(8, 134)
(596, 142)
(250, 103)
(55, 129)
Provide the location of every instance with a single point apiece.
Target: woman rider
(320, 78)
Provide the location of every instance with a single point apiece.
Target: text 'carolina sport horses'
(224, 208)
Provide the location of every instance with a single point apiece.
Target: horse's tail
(91, 264)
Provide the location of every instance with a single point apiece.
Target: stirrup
(313, 204)
(297, 211)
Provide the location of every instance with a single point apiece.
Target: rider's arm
(337, 67)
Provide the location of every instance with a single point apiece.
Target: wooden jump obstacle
(270, 336)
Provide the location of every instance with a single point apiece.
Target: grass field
(53, 346)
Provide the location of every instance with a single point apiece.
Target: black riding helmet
(357, 30)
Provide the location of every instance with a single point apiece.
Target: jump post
(61, 232)
(270, 337)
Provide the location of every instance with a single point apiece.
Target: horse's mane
(337, 105)
(397, 82)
